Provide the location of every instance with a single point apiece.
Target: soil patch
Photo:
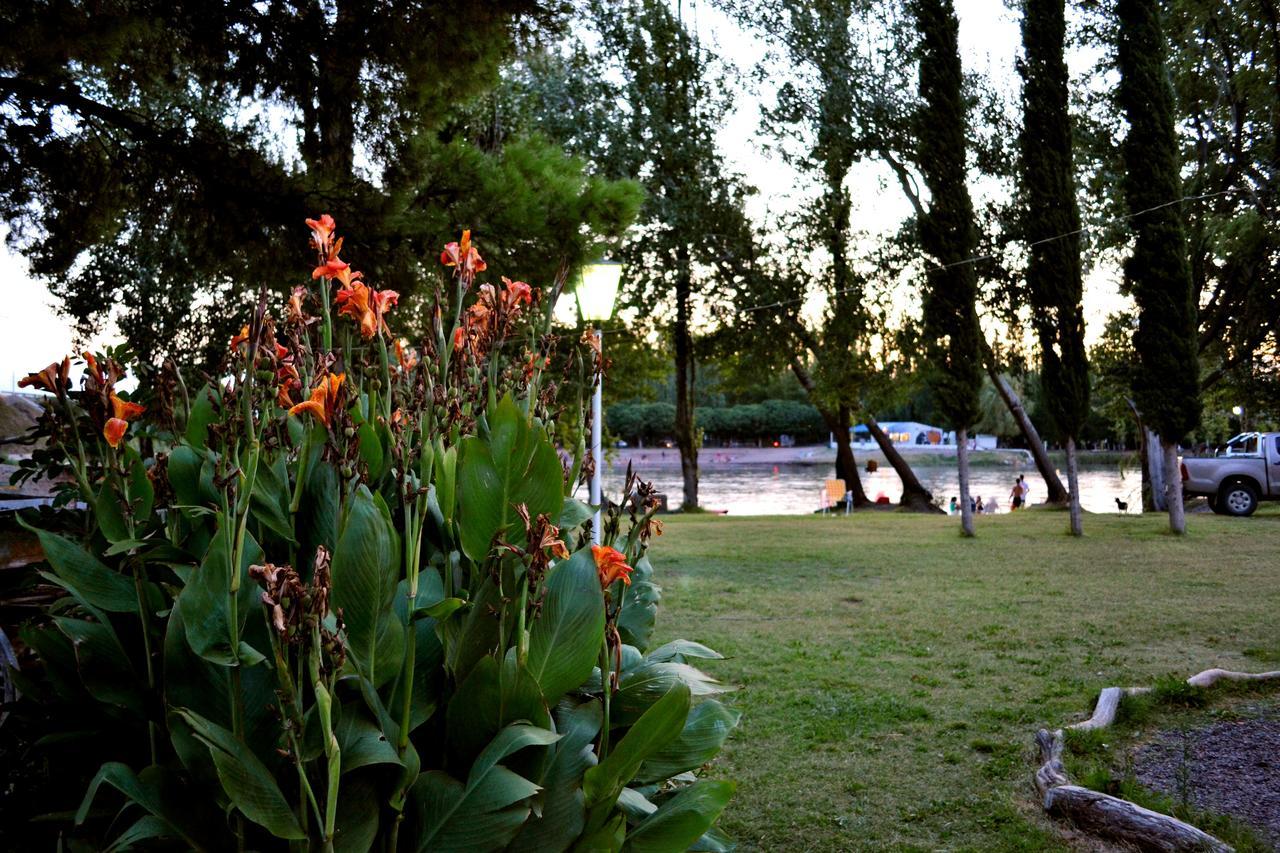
(1227, 767)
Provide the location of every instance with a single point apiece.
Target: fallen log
(1112, 817)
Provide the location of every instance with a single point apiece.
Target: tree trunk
(1073, 483)
(846, 465)
(962, 466)
(684, 390)
(1153, 486)
(1173, 487)
(1057, 494)
(914, 496)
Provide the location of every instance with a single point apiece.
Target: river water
(789, 489)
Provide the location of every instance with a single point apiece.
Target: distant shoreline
(1015, 459)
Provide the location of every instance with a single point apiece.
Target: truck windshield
(1243, 445)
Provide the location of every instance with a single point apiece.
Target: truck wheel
(1239, 499)
(1212, 500)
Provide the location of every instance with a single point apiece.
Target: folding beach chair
(834, 491)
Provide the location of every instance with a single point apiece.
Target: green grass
(892, 674)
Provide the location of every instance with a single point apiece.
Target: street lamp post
(596, 291)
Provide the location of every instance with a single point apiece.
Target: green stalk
(522, 640)
(333, 755)
(386, 376)
(326, 334)
(606, 693)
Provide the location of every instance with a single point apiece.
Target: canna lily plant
(343, 598)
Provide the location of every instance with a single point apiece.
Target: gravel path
(1229, 767)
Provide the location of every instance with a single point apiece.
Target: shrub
(342, 597)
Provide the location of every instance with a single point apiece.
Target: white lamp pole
(596, 291)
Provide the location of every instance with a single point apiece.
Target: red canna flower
(611, 565)
(122, 412)
(324, 400)
(459, 338)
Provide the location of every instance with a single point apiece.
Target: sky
(33, 333)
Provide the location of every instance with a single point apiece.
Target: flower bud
(347, 472)
(349, 431)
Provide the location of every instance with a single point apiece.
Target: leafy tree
(149, 148)
(692, 232)
(1166, 384)
(1052, 229)
(842, 109)
(948, 235)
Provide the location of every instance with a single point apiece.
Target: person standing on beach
(1015, 496)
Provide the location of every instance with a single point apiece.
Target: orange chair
(834, 491)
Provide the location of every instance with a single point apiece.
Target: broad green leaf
(681, 820)
(105, 668)
(469, 635)
(657, 727)
(563, 814)
(318, 510)
(358, 812)
(516, 465)
(565, 640)
(204, 600)
(446, 479)
(635, 623)
(679, 650)
(442, 609)
(245, 779)
(608, 838)
(145, 828)
(573, 514)
(486, 813)
(161, 794)
(362, 742)
(183, 468)
(203, 412)
(101, 586)
(705, 731)
(270, 499)
(366, 570)
(640, 687)
(370, 449)
(492, 696)
(142, 494)
(108, 512)
(714, 840)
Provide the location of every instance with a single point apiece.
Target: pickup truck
(1245, 472)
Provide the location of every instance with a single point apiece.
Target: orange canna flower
(407, 357)
(295, 312)
(464, 256)
(322, 230)
(330, 268)
(324, 399)
(516, 293)
(459, 338)
(611, 565)
(52, 379)
(122, 412)
(241, 338)
(366, 306)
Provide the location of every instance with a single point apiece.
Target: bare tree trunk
(1073, 483)
(846, 464)
(1153, 485)
(962, 465)
(1057, 494)
(1173, 487)
(914, 496)
(684, 391)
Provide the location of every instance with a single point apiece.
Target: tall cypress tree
(1166, 384)
(948, 234)
(1051, 224)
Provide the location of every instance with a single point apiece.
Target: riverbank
(890, 673)
(649, 458)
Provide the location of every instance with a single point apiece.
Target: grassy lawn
(892, 674)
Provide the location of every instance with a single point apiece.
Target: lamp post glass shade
(597, 290)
